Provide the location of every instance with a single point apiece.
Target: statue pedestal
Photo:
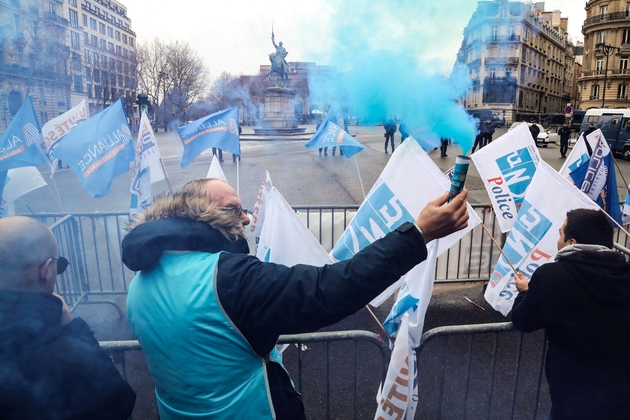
(279, 113)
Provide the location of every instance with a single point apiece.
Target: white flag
(150, 156)
(54, 130)
(19, 181)
(140, 189)
(284, 239)
(507, 166)
(579, 155)
(534, 236)
(215, 171)
(409, 181)
(397, 398)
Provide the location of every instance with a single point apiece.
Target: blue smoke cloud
(391, 58)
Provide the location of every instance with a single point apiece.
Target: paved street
(304, 178)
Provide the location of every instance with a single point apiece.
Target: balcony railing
(504, 38)
(475, 63)
(593, 73)
(606, 17)
(501, 60)
(621, 71)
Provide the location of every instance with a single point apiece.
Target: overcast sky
(234, 35)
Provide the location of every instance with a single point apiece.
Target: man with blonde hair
(51, 366)
(208, 315)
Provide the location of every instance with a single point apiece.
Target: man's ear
(572, 241)
(45, 275)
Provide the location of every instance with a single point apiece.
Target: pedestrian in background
(390, 130)
(487, 137)
(564, 133)
(443, 146)
(480, 136)
(214, 153)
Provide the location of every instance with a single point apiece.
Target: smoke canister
(459, 176)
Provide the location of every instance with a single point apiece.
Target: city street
(304, 178)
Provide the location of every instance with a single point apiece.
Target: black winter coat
(583, 303)
(265, 300)
(49, 372)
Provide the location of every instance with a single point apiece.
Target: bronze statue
(278, 60)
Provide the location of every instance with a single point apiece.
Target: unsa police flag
(218, 130)
(533, 239)
(330, 134)
(507, 166)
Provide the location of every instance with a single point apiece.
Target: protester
(479, 139)
(390, 130)
(214, 153)
(443, 146)
(487, 137)
(565, 133)
(582, 300)
(589, 130)
(51, 366)
(208, 315)
(534, 130)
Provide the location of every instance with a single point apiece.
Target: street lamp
(607, 50)
(164, 77)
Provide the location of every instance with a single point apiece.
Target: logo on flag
(330, 134)
(99, 149)
(218, 130)
(18, 144)
(55, 129)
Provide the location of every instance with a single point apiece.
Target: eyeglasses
(235, 210)
(62, 264)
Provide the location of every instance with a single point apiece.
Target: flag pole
(168, 181)
(58, 197)
(379, 323)
(499, 247)
(358, 172)
(238, 173)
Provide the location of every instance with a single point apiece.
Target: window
(626, 36)
(110, 46)
(52, 7)
(512, 33)
(623, 63)
(118, 36)
(76, 62)
(110, 32)
(503, 12)
(94, 40)
(78, 83)
(75, 40)
(621, 91)
(74, 18)
(86, 38)
(88, 74)
(95, 57)
(104, 61)
(103, 44)
(92, 23)
(124, 39)
(89, 90)
(125, 52)
(118, 50)
(131, 41)
(84, 20)
(599, 64)
(72, 3)
(524, 54)
(627, 9)
(602, 37)
(97, 76)
(595, 92)
(88, 57)
(603, 10)
(101, 27)
(525, 34)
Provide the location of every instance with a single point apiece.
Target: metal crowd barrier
(315, 382)
(482, 371)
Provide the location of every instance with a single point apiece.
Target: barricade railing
(481, 371)
(316, 384)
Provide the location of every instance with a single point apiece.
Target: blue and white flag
(150, 156)
(54, 130)
(578, 157)
(599, 181)
(394, 200)
(330, 134)
(19, 181)
(99, 149)
(284, 239)
(533, 240)
(218, 130)
(507, 166)
(19, 145)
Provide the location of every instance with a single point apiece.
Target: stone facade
(62, 52)
(519, 58)
(607, 22)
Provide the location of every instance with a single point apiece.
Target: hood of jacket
(27, 320)
(603, 275)
(143, 247)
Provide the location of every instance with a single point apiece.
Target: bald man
(51, 366)
(208, 316)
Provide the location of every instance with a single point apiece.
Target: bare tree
(221, 92)
(152, 70)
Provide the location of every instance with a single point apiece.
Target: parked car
(485, 115)
(544, 136)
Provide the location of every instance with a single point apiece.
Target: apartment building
(519, 57)
(605, 75)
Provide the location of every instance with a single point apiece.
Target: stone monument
(279, 100)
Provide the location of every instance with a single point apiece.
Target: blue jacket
(207, 321)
